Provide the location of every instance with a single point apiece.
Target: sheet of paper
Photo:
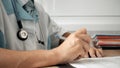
(106, 62)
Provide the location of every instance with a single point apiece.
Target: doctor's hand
(75, 46)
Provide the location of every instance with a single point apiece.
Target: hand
(76, 45)
(94, 52)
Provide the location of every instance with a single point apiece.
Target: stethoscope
(23, 34)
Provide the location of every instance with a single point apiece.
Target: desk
(107, 53)
(111, 53)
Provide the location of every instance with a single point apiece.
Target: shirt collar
(23, 2)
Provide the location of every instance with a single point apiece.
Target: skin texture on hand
(92, 53)
(75, 45)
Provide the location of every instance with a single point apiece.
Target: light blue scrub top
(38, 28)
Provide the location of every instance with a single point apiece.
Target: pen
(94, 43)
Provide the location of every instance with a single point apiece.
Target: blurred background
(98, 16)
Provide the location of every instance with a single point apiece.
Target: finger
(82, 50)
(78, 57)
(101, 52)
(86, 55)
(85, 46)
(78, 44)
(92, 53)
(83, 54)
(81, 31)
(81, 46)
(85, 49)
(98, 54)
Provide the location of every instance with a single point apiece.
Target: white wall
(95, 15)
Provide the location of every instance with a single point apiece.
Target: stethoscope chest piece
(22, 34)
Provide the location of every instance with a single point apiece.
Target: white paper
(106, 62)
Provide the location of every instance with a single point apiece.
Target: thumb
(82, 31)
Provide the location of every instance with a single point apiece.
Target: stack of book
(107, 41)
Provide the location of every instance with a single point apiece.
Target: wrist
(58, 57)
